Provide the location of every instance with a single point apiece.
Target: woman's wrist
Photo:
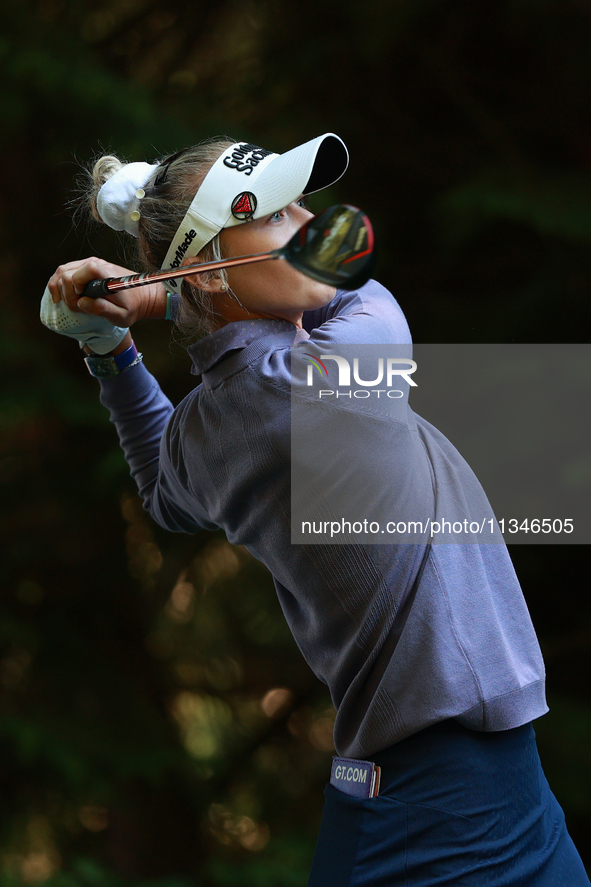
(123, 345)
(108, 365)
(155, 303)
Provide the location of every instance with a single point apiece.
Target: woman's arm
(137, 406)
(141, 413)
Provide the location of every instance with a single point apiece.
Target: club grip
(94, 289)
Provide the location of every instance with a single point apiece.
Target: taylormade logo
(183, 247)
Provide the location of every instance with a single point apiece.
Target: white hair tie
(118, 200)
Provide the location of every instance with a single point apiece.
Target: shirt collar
(211, 349)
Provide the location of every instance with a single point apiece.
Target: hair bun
(118, 200)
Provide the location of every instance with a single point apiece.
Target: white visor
(246, 182)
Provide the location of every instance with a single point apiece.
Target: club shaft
(122, 283)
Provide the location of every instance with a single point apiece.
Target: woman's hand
(123, 308)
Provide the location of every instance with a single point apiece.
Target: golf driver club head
(335, 247)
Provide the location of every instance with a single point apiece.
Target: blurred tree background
(158, 725)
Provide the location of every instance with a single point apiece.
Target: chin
(321, 296)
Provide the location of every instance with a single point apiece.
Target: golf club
(334, 247)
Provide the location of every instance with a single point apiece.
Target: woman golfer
(427, 649)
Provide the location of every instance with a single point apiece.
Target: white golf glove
(99, 334)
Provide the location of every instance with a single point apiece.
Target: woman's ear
(205, 281)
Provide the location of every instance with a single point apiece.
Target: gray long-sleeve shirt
(403, 635)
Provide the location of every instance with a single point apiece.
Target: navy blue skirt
(456, 807)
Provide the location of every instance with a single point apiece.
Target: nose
(303, 214)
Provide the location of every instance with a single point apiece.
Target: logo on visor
(244, 158)
(244, 206)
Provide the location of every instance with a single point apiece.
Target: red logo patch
(244, 206)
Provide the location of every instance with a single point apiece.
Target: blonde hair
(169, 193)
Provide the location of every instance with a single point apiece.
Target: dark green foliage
(158, 726)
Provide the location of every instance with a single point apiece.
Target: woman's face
(272, 288)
